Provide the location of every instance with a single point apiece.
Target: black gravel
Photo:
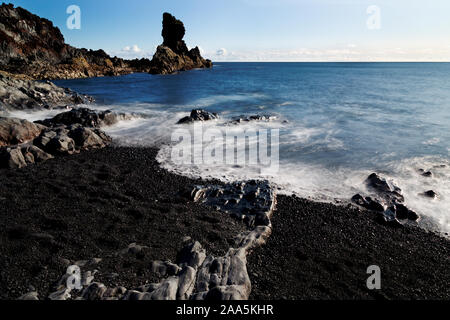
(93, 205)
(322, 251)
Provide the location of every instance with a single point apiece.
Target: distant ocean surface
(344, 121)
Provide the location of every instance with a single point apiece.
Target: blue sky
(263, 30)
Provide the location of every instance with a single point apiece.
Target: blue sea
(337, 122)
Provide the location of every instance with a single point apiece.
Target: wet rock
(430, 194)
(16, 131)
(402, 212)
(85, 117)
(243, 118)
(384, 189)
(199, 115)
(427, 174)
(368, 203)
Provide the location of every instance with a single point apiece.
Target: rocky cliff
(33, 46)
(173, 55)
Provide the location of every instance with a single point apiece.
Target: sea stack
(173, 55)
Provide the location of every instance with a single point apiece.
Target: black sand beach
(92, 205)
(322, 251)
(96, 203)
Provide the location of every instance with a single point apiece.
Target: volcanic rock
(173, 55)
(23, 94)
(33, 46)
(199, 115)
(86, 117)
(15, 131)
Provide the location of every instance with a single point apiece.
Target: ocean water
(337, 122)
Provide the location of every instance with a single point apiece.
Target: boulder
(86, 138)
(37, 154)
(199, 115)
(55, 141)
(12, 158)
(368, 203)
(430, 194)
(385, 190)
(16, 131)
(402, 212)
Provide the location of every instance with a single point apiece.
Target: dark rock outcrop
(388, 202)
(173, 55)
(25, 94)
(33, 46)
(86, 117)
(24, 143)
(389, 192)
(199, 115)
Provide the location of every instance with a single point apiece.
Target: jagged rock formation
(173, 55)
(23, 142)
(387, 201)
(33, 46)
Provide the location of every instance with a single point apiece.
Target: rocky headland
(34, 47)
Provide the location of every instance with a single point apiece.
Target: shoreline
(106, 188)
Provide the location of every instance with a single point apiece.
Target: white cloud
(132, 52)
(221, 52)
(348, 52)
(135, 48)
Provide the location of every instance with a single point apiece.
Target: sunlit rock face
(173, 55)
